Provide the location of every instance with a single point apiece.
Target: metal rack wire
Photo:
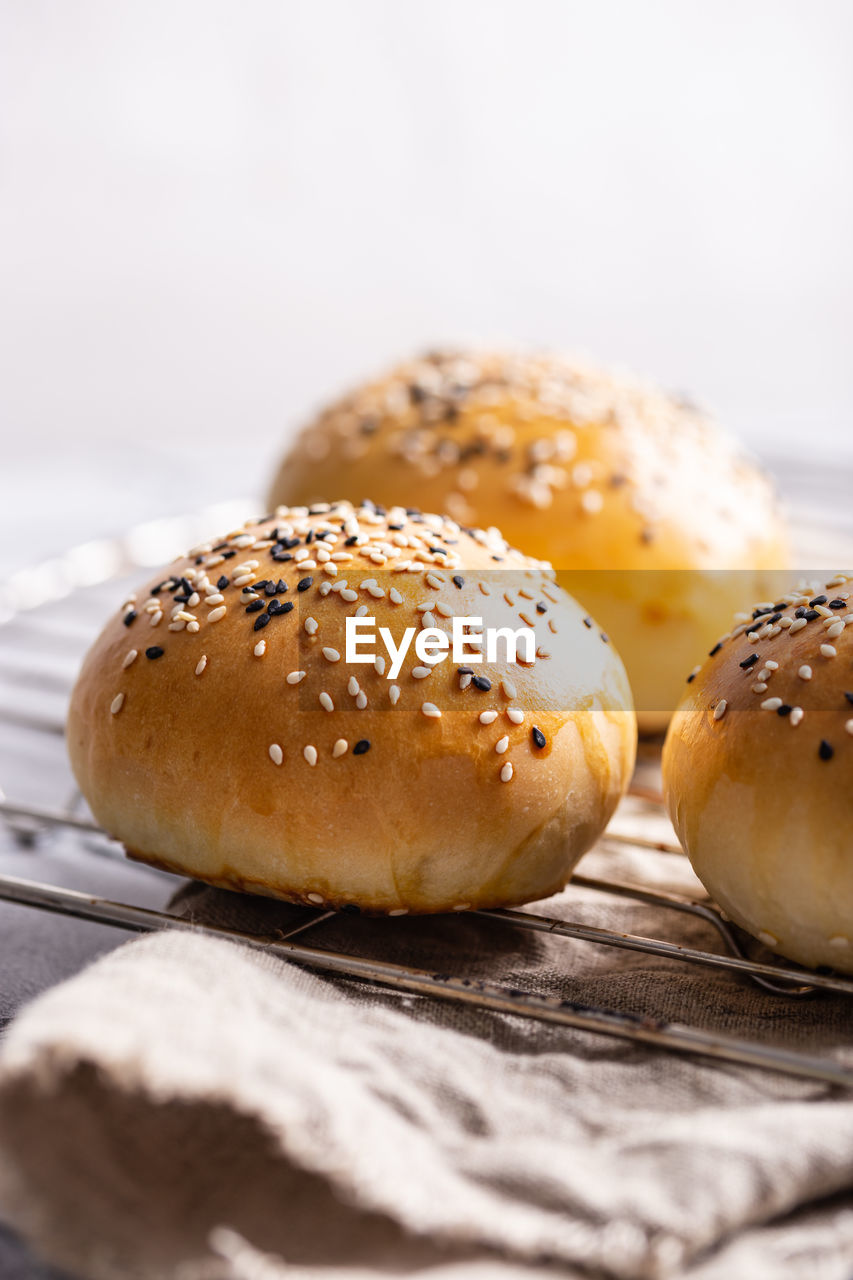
(37, 639)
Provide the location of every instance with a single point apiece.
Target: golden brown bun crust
(586, 469)
(758, 775)
(428, 813)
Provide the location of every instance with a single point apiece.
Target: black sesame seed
(154, 651)
(784, 710)
(281, 556)
(458, 580)
(281, 586)
(278, 608)
(837, 604)
(351, 541)
(541, 606)
(482, 682)
(465, 671)
(749, 662)
(351, 909)
(222, 583)
(587, 622)
(289, 543)
(605, 637)
(849, 697)
(310, 537)
(220, 546)
(129, 617)
(810, 614)
(691, 677)
(774, 619)
(539, 739)
(817, 600)
(826, 750)
(361, 746)
(395, 527)
(800, 613)
(261, 621)
(248, 590)
(716, 649)
(228, 555)
(304, 583)
(270, 588)
(254, 606)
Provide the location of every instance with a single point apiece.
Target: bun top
(262, 613)
(586, 467)
(787, 663)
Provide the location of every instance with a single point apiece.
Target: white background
(214, 214)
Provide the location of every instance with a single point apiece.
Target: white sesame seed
(192, 626)
(434, 581)
(157, 616)
(361, 611)
(720, 709)
(361, 700)
(835, 630)
(462, 906)
(428, 620)
(201, 664)
(838, 940)
(379, 665)
(797, 625)
(508, 689)
(848, 726)
(216, 614)
(349, 595)
(515, 714)
(506, 772)
(421, 673)
(767, 938)
(796, 716)
(377, 592)
(501, 745)
(465, 679)
(295, 676)
(425, 606)
(760, 687)
(823, 611)
(331, 655)
(311, 625)
(117, 704)
(132, 655)
(260, 648)
(310, 754)
(217, 598)
(394, 694)
(326, 702)
(592, 501)
(488, 717)
(276, 753)
(352, 686)
(828, 650)
(399, 911)
(805, 672)
(771, 704)
(771, 665)
(394, 596)
(431, 710)
(315, 897)
(340, 748)
(243, 579)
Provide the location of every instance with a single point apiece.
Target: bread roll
(758, 774)
(218, 730)
(627, 491)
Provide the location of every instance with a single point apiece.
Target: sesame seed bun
(218, 730)
(758, 774)
(590, 470)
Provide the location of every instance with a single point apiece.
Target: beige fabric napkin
(191, 1109)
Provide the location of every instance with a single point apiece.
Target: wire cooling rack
(46, 623)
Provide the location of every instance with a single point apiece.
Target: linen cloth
(189, 1108)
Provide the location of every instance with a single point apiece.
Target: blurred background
(216, 213)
